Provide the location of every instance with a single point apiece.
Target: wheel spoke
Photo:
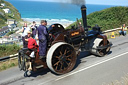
(56, 67)
(68, 51)
(65, 51)
(101, 52)
(66, 63)
(107, 49)
(56, 63)
(61, 65)
(69, 56)
(68, 59)
(61, 53)
(57, 57)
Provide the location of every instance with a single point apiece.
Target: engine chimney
(84, 17)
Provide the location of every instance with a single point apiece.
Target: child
(32, 45)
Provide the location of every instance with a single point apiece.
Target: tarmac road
(90, 70)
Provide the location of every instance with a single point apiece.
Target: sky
(102, 2)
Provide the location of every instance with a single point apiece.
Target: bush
(108, 18)
(6, 50)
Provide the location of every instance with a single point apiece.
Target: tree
(1, 1)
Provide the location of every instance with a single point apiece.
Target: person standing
(24, 31)
(42, 36)
(34, 28)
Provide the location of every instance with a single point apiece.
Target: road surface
(90, 70)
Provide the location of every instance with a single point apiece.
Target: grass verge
(6, 50)
(123, 81)
(8, 64)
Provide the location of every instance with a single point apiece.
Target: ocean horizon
(52, 11)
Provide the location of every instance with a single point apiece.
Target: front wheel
(103, 52)
(98, 42)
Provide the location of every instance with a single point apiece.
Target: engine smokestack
(84, 17)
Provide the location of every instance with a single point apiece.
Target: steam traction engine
(65, 45)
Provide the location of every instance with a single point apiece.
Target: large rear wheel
(61, 58)
(22, 61)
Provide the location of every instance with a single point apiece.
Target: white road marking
(98, 63)
(91, 66)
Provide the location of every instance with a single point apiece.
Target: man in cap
(29, 34)
(42, 36)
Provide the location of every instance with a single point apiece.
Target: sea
(52, 11)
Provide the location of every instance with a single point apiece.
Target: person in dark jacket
(32, 46)
(27, 37)
(43, 37)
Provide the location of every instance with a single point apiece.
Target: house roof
(1, 6)
(10, 20)
(3, 29)
(15, 35)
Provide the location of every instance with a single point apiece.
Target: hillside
(4, 16)
(108, 18)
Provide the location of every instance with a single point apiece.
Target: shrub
(108, 18)
(6, 50)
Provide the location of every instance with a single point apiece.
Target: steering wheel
(51, 37)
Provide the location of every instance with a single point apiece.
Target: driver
(43, 37)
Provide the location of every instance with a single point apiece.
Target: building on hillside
(6, 40)
(3, 4)
(4, 30)
(16, 29)
(7, 10)
(12, 23)
(1, 13)
(15, 37)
